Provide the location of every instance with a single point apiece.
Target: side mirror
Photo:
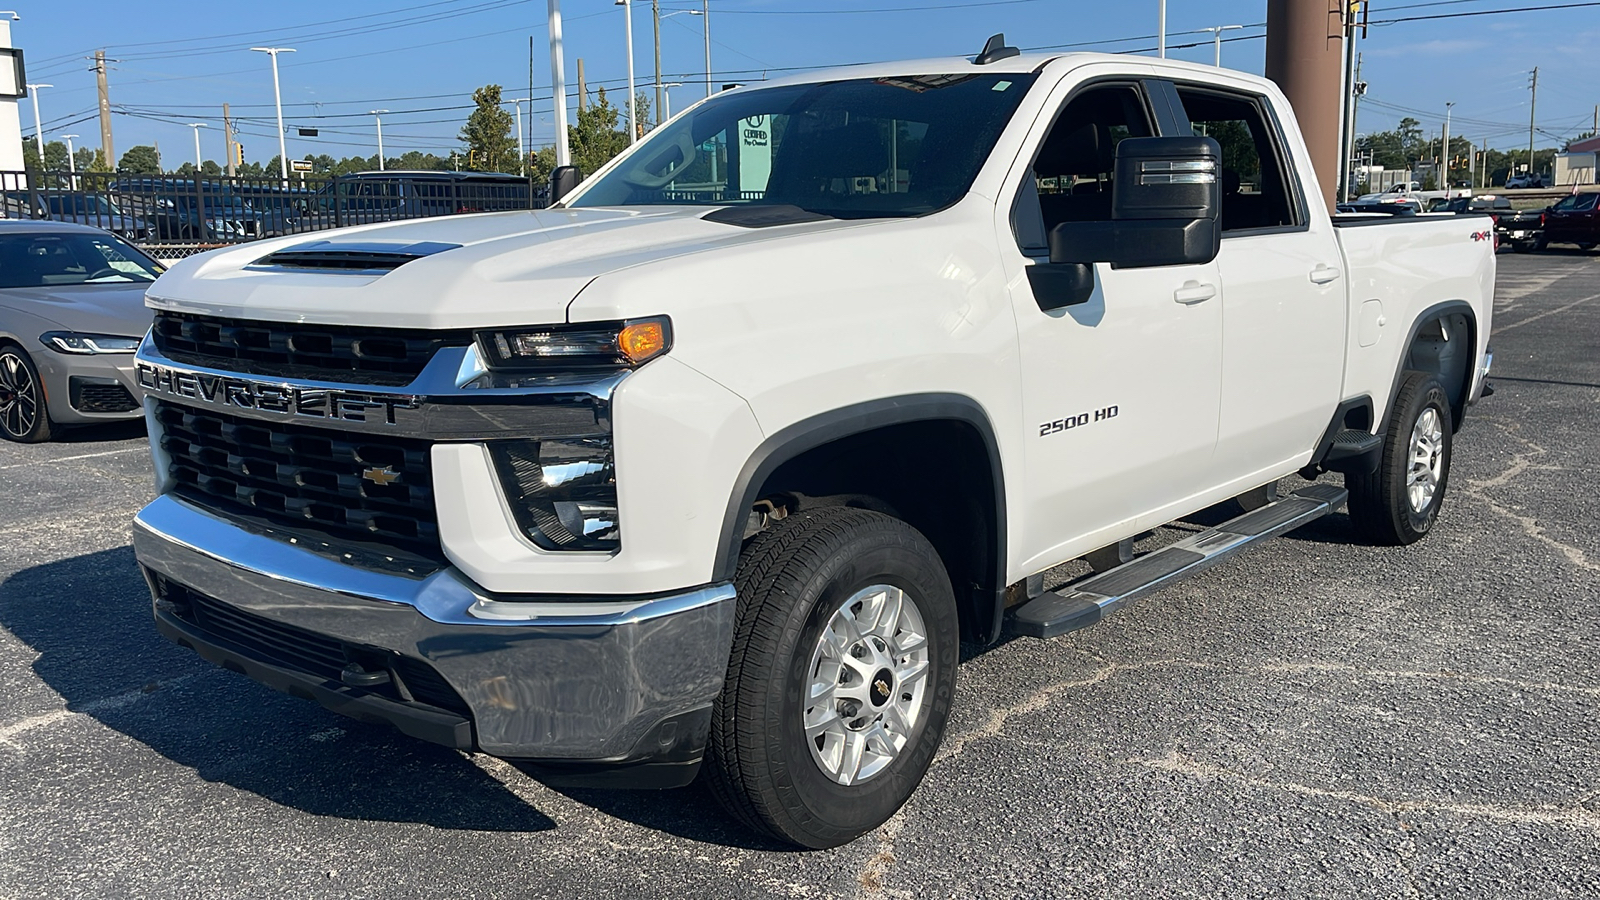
(1165, 204)
(563, 181)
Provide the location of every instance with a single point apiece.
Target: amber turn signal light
(640, 341)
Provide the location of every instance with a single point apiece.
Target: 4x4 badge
(384, 475)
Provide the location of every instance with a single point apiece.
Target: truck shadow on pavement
(88, 618)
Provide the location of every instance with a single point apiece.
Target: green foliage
(596, 138)
(491, 145)
(142, 159)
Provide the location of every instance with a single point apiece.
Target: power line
(1483, 12)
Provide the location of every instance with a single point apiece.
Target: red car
(1574, 220)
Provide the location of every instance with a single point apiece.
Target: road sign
(300, 165)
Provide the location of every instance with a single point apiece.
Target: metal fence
(170, 216)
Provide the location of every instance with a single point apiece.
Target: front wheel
(23, 417)
(841, 676)
(1399, 503)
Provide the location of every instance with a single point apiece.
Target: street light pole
(1161, 30)
(705, 19)
(666, 94)
(277, 99)
(558, 85)
(1216, 39)
(197, 160)
(72, 164)
(633, 114)
(1444, 151)
(377, 116)
(38, 132)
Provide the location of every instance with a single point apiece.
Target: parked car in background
(181, 210)
(79, 208)
(1379, 207)
(1527, 181)
(1573, 220)
(398, 194)
(1519, 229)
(71, 316)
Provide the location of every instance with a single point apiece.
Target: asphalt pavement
(1316, 718)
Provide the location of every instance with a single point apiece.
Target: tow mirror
(563, 181)
(1165, 203)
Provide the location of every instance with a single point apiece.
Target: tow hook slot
(355, 675)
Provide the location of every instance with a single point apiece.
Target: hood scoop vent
(349, 256)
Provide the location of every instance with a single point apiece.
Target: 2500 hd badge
(242, 393)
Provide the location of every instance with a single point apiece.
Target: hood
(90, 308)
(487, 270)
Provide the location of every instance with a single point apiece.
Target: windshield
(48, 260)
(850, 149)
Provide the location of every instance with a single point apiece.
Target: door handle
(1194, 292)
(1323, 274)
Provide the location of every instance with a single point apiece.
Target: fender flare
(808, 434)
(1433, 312)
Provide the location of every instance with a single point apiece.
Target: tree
(596, 138)
(491, 146)
(142, 159)
(90, 160)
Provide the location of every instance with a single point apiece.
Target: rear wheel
(23, 417)
(840, 679)
(1399, 503)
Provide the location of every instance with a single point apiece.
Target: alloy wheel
(868, 676)
(19, 396)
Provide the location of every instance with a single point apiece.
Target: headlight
(88, 344)
(563, 492)
(606, 344)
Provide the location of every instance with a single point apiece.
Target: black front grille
(88, 396)
(306, 651)
(384, 356)
(330, 482)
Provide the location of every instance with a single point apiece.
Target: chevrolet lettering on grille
(244, 393)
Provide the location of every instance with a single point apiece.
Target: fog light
(563, 492)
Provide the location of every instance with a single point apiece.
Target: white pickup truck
(707, 469)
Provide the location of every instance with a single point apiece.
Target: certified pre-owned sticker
(1077, 421)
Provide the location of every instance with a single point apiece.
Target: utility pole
(705, 19)
(1347, 83)
(583, 90)
(105, 110)
(1533, 97)
(1483, 174)
(227, 140)
(1303, 57)
(655, 13)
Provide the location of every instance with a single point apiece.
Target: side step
(1086, 602)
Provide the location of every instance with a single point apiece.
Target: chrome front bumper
(583, 680)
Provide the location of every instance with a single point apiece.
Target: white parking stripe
(61, 459)
(93, 706)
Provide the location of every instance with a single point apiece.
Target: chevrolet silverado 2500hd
(707, 469)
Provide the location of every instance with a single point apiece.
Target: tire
(1399, 503)
(1523, 246)
(23, 416)
(1586, 247)
(794, 582)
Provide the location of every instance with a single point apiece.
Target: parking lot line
(62, 459)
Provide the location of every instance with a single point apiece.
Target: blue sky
(421, 59)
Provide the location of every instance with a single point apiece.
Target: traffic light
(238, 154)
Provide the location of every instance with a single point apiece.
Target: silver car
(71, 316)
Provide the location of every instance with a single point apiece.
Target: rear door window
(1257, 186)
